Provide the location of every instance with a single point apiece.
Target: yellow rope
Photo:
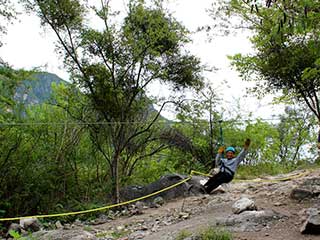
(100, 208)
(274, 180)
(200, 173)
(258, 180)
(147, 196)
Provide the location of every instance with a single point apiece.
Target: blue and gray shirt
(230, 166)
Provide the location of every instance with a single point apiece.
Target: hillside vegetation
(70, 146)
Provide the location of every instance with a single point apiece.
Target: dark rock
(192, 186)
(300, 194)
(196, 186)
(14, 227)
(312, 224)
(308, 189)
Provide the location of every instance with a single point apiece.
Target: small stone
(144, 227)
(242, 205)
(77, 222)
(158, 201)
(120, 228)
(278, 204)
(184, 215)
(58, 225)
(67, 226)
(30, 224)
(124, 238)
(138, 235)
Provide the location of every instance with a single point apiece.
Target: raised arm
(219, 155)
(244, 151)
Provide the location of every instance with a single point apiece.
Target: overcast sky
(27, 46)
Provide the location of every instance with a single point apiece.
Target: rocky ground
(267, 210)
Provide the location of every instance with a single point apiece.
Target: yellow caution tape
(100, 208)
(146, 196)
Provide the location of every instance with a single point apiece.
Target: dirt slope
(192, 213)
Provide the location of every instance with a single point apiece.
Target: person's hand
(221, 149)
(247, 143)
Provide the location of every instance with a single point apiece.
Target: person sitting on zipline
(227, 166)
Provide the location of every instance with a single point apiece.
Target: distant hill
(38, 89)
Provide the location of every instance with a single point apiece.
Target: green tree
(295, 132)
(285, 40)
(11, 136)
(195, 135)
(7, 14)
(114, 66)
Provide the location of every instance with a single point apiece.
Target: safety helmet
(231, 149)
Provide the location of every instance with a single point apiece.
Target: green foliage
(285, 39)
(64, 172)
(183, 234)
(7, 15)
(50, 153)
(263, 169)
(286, 57)
(114, 67)
(215, 234)
(73, 157)
(63, 14)
(10, 80)
(17, 235)
(14, 234)
(209, 233)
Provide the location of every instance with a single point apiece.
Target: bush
(215, 234)
(209, 233)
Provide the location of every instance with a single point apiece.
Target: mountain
(38, 89)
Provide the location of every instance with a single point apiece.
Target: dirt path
(196, 212)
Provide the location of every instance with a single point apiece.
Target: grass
(209, 233)
(17, 235)
(264, 169)
(183, 234)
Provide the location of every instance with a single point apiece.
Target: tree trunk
(115, 177)
(318, 145)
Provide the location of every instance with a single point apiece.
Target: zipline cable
(4, 124)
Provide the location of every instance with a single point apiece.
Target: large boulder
(30, 224)
(312, 224)
(249, 220)
(308, 189)
(192, 186)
